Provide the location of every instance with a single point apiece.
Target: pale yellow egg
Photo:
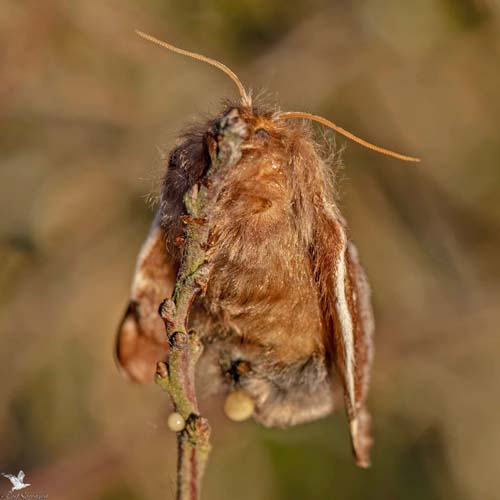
(175, 422)
(238, 406)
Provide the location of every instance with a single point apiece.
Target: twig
(177, 375)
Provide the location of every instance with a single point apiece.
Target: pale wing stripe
(141, 280)
(342, 309)
(345, 319)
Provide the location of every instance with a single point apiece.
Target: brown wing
(141, 341)
(363, 325)
(348, 317)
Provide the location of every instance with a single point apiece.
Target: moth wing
(348, 318)
(141, 340)
(364, 326)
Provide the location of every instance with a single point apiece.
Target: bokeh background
(87, 109)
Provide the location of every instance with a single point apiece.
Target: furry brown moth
(285, 316)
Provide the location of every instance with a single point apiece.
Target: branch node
(201, 278)
(194, 221)
(162, 369)
(168, 311)
(178, 340)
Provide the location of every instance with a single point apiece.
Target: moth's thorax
(262, 281)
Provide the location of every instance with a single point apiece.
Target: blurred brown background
(86, 108)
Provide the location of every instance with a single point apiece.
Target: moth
(286, 316)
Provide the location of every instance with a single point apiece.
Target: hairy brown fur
(286, 315)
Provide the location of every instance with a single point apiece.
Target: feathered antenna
(246, 99)
(299, 114)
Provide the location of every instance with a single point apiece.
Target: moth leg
(141, 340)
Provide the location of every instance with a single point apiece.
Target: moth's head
(268, 145)
(278, 163)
